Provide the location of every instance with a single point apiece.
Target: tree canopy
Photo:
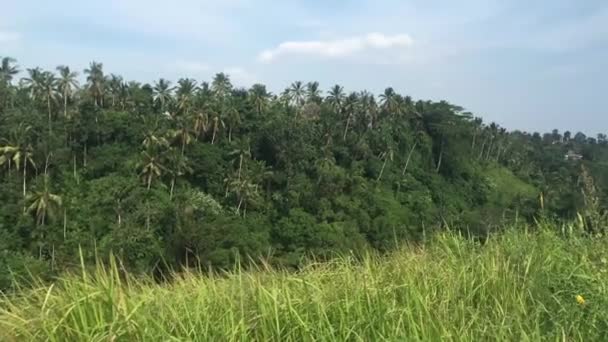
(195, 173)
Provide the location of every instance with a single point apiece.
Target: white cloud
(336, 48)
(7, 36)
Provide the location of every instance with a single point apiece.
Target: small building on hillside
(571, 155)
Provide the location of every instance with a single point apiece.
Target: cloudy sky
(526, 64)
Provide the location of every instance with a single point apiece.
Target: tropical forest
(200, 210)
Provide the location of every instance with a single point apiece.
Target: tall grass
(516, 286)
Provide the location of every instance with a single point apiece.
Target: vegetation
(169, 176)
(543, 282)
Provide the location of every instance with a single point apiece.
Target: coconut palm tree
(23, 157)
(241, 151)
(350, 108)
(313, 93)
(335, 98)
(162, 93)
(67, 84)
(179, 166)
(96, 82)
(115, 87)
(183, 134)
(233, 119)
(185, 94)
(200, 122)
(8, 69)
(297, 93)
(43, 204)
(151, 167)
(48, 89)
(385, 156)
(221, 85)
(243, 189)
(259, 97)
(32, 83)
(153, 139)
(218, 123)
(389, 100)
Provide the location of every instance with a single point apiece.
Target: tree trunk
(48, 100)
(230, 134)
(84, 159)
(149, 180)
(382, 170)
(65, 104)
(172, 187)
(24, 176)
(240, 166)
(213, 137)
(473, 143)
(440, 158)
(238, 208)
(346, 128)
(409, 156)
(74, 163)
(65, 223)
(483, 146)
(490, 148)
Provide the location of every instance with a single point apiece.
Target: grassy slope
(518, 286)
(505, 186)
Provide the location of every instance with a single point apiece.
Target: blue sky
(530, 65)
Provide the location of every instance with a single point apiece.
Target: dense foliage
(529, 283)
(167, 175)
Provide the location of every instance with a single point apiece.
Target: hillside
(168, 175)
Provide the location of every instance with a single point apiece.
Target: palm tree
(43, 203)
(296, 93)
(96, 81)
(221, 85)
(48, 87)
(389, 100)
(22, 158)
(200, 122)
(152, 167)
(185, 93)
(8, 70)
(313, 93)
(162, 93)
(244, 190)
(259, 97)
(217, 124)
(67, 84)
(182, 134)
(233, 119)
(336, 97)
(242, 150)
(153, 140)
(32, 83)
(386, 155)
(179, 167)
(115, 86)
(417, 139)
(350, 107)
(19, 151)
(369, 109)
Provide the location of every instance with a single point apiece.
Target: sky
(525, 64)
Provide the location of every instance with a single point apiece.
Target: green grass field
(519, 285)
